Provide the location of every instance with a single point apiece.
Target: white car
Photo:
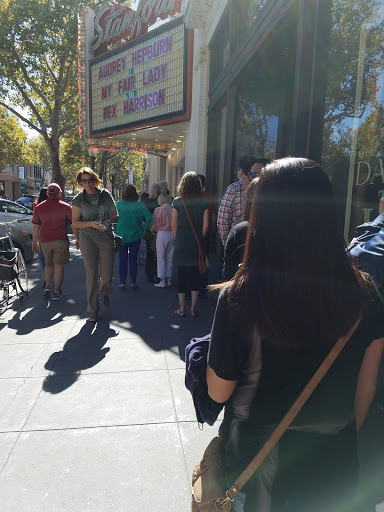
(14, 211)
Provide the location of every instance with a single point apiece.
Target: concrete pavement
(97, 418)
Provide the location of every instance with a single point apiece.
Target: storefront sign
(142, 81)
(114, 23)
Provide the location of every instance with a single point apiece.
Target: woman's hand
(97, 225)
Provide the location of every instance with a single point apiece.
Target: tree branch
(66, 128)
(70, 98)
(28, 101)
(31, 84)
(24, 119)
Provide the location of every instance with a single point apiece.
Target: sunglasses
(91, 180)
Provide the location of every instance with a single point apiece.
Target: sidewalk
(97, 418)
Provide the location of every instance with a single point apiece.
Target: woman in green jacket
(130, 227)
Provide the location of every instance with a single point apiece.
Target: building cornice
(197, 13)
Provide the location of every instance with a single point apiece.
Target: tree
(38, 52)
(120, 164)
(13, 140)
(73, 156)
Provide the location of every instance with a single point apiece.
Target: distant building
(16, 180)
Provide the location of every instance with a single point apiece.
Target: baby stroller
(13, 273)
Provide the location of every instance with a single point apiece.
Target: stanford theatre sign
(142, 82)
(113, 23)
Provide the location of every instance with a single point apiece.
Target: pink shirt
(162, 218)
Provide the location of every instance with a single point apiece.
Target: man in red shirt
(50, 219)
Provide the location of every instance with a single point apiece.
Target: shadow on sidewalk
(83, 351)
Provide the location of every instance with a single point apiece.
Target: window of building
(220, 50)
(353, 134)
(245, 14)
(2, 188)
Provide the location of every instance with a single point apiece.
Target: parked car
(10, 210)
(27, 201)
(68, 199)
(21, 240)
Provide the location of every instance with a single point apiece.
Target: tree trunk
(53, 146)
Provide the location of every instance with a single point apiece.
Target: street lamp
(92, 152)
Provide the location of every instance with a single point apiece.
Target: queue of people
(291, 292)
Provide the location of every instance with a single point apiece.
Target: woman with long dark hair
(186, 255)
(294, 296)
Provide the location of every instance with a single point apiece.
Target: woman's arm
(147, 217)
(174, 222)
(366, 383)
(153, 226)
(114, 214)
(205, 227)
(220, 390)
(81, 224)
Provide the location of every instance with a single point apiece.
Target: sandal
(194, 313)
(180, 313)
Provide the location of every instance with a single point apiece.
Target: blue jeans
(133, 249)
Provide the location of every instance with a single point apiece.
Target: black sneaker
(47, 293)
(58, 296)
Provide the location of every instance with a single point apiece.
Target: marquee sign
(141, 82)
(114, 23)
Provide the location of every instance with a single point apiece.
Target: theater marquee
(143, 82)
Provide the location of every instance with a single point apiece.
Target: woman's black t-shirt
(270, 379)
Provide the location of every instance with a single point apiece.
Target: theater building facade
(300, 78)
(222, 78)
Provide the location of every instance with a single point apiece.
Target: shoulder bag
(203, 269)
(209, 494)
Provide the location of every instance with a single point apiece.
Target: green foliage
(73, 156)
(13, 140)
(118, 166)
(38, 52)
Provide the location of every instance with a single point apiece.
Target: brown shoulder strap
(190, 221)
(291, 415)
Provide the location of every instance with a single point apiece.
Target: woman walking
(293, 297)
(93, 212)
(164, 241)
(189, 207)
(130, 227)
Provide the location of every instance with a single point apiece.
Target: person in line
(43, 196)
(150, 264)
(234, 247)
(164, 189)
(209, 240)
(51, 218)
(304, 293)
(164, 241)
(231, 206)
(186, 255)
(93, 212)
(367, 248)
(130, 227)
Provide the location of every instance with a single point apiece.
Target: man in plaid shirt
(231, 207)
